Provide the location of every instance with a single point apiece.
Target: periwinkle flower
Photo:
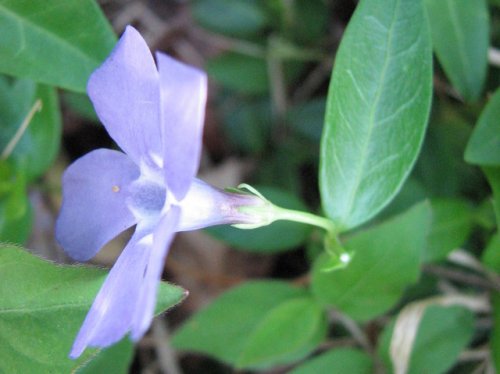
(155, 114)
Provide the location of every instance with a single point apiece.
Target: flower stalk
(339, 257)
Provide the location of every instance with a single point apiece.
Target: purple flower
(156, 116)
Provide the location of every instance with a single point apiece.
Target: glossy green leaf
(235, 18)
(451, 225)
(337, 361)
(377, 109)
(222, 330)
(386, 260)
(495, 339)
(289, 332)
(39, 144)
(443, 333)
(239, 72)
(42, 306)
(115, 359)
(460, 31)
(15, 208)
(278, 236)
(484, 145)
(57, 42)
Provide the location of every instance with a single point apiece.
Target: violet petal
(93, 209)
(110, 316)
(162, 238)
(126, 95)
(183, 97)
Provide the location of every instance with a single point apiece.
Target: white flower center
(147, 196)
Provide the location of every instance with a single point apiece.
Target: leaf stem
(339, 256)
(307, 218)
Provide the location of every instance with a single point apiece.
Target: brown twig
(460, 276)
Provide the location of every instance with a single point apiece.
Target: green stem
(338, 255)
(307, 218)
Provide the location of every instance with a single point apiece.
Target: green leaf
(222, 330)
(495, 338)
(491, 255)
(239, 72)
(284, 167)
(441, 167)
(377, 109)
(337, 361)
(278, 236)
(307, 119)
(307, 20)
(386, 261)
(39, 144)
(80, 104)
(15, 208)
(484, 144)
(42, 306)
(443, 333)
(493, 176)
(115, 359)
(460, 31)
(410, 194)
(289, 332)
(57, 42)
(248, 124)
(451, 225)
(235, 18)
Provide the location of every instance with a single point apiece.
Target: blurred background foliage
(269, 64)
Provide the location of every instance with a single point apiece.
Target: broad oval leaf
(222, 330)
(386, 261)
(57, 42)
(484, 144)
(337, 361)
(115, 359)
(460, 37)
(377, 109)
(451, 225)
(41, 308)
(289, 332)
